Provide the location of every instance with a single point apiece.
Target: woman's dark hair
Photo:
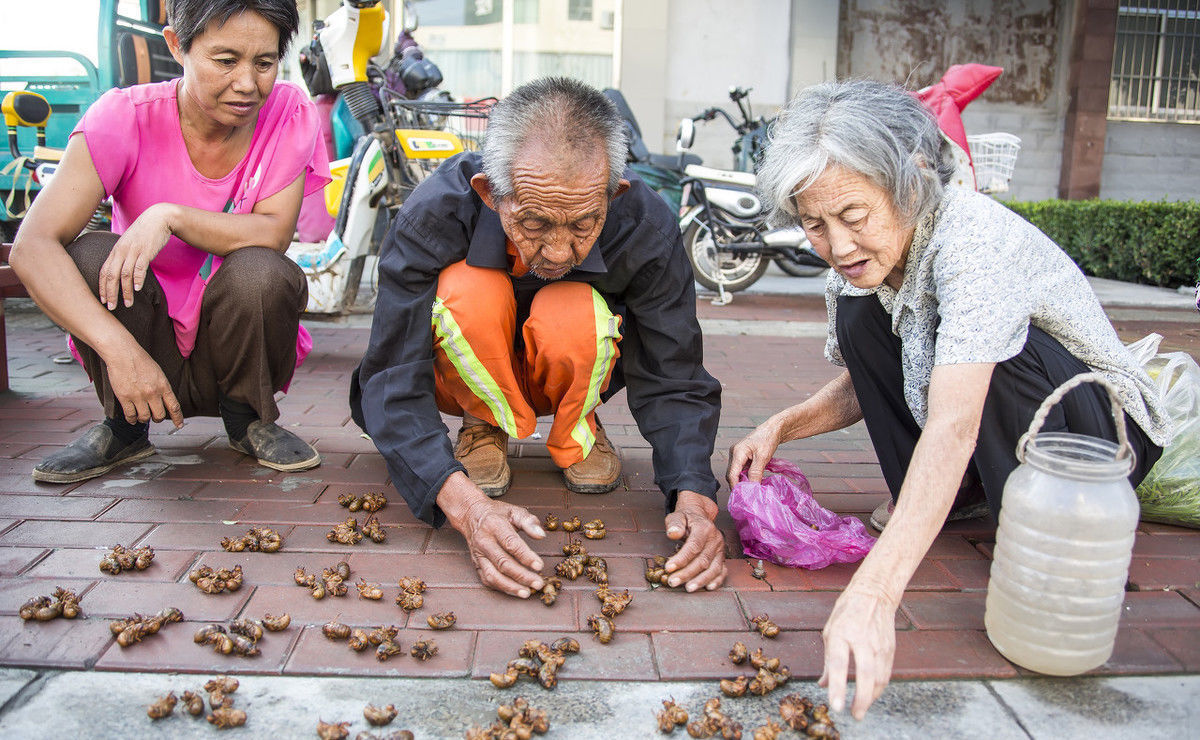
(189, 18)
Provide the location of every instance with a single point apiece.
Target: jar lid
(1077, 456)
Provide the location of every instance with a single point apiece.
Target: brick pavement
(196, 491)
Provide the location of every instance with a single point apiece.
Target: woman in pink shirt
(199, 308)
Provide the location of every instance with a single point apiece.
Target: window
(1156, 61)
(579, 10)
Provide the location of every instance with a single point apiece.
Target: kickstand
(723, 298)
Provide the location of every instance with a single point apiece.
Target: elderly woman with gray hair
(953, 317)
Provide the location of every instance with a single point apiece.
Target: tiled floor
(196, 491)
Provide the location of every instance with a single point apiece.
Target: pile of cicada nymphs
(62, 603)
(537, 660)
(121, 558)
(221, 713)
(257, 539)
(241, 636)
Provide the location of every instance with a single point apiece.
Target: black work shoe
(93, 454)
(277, 448)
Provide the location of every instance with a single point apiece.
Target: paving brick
(16, 591)
(673, 610)
(316, 655)
(778, 578)
(173, 650)
(192, 536)
(615, 520)
(52, 507)
(1182, 645)
(627, 658)
(689, 656)
(399, 539)
(930, 654)
(112, 598)
(642, 544)
(293, 488)
(296, 512)
(172, 510)
(304, 609)
(73, 534)
(832, 577)
(26, 484)
(168, 565)
(1158, 609)
(13, 560)
(952, 547)
(1135, 653)
(261, 568)
(944, 611)
(1166, 546)
(794, 610)
(136, 488)
(59, 643)
(437, 570)
(1147, 574)
(481, 608)
(967, 574)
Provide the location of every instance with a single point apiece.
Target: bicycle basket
(467, 121)
(994, 156)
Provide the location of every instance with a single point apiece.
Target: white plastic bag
(1171, 491)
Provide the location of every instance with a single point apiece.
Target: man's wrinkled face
(557, 208)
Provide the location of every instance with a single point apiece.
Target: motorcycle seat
(671, 161)
(722, 177)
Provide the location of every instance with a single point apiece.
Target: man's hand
(862, 624)
(502, 559)
(755, 450)
(701, 561)
(141, 387)
(124, 272)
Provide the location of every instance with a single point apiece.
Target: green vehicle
(130, 50)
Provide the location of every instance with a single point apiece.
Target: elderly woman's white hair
(877, 130)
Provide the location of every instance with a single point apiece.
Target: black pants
(246, 342)
(1018, 387)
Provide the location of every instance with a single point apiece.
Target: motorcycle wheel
(713, 267)
(799, 269)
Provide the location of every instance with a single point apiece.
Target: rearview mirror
(685, 135)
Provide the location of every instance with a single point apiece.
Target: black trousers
(1018, 387)
(246, 343)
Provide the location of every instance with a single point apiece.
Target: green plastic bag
(1170, 494)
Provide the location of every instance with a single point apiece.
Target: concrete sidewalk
(106, 705)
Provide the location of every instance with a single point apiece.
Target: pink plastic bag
(780, 521)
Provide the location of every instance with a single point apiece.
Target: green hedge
(1154, 243)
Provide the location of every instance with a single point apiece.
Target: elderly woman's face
(854, 227)
(229, 70)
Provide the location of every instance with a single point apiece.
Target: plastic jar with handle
(1063, 546)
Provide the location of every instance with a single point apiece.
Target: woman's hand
(755, 450)
(862, 624)
(124, 272)
(141, 387)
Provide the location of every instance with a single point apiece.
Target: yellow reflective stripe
(478, 380)
(608, 333)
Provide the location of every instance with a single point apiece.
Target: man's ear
(483, 188)
(172, 40)
(622, 186)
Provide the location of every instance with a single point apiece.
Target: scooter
(723, 220)
(404, 140)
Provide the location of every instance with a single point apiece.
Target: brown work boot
(599, 472)
(483, 451)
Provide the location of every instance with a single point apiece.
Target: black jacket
(638, 265)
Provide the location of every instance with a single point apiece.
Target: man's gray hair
(877, 130)
(562, 110)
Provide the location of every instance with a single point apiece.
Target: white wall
(1151, 161)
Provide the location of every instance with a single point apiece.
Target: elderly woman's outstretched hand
(862, 624)
(755, 450)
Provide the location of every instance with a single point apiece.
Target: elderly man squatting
(954, 318)
(532, 279)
